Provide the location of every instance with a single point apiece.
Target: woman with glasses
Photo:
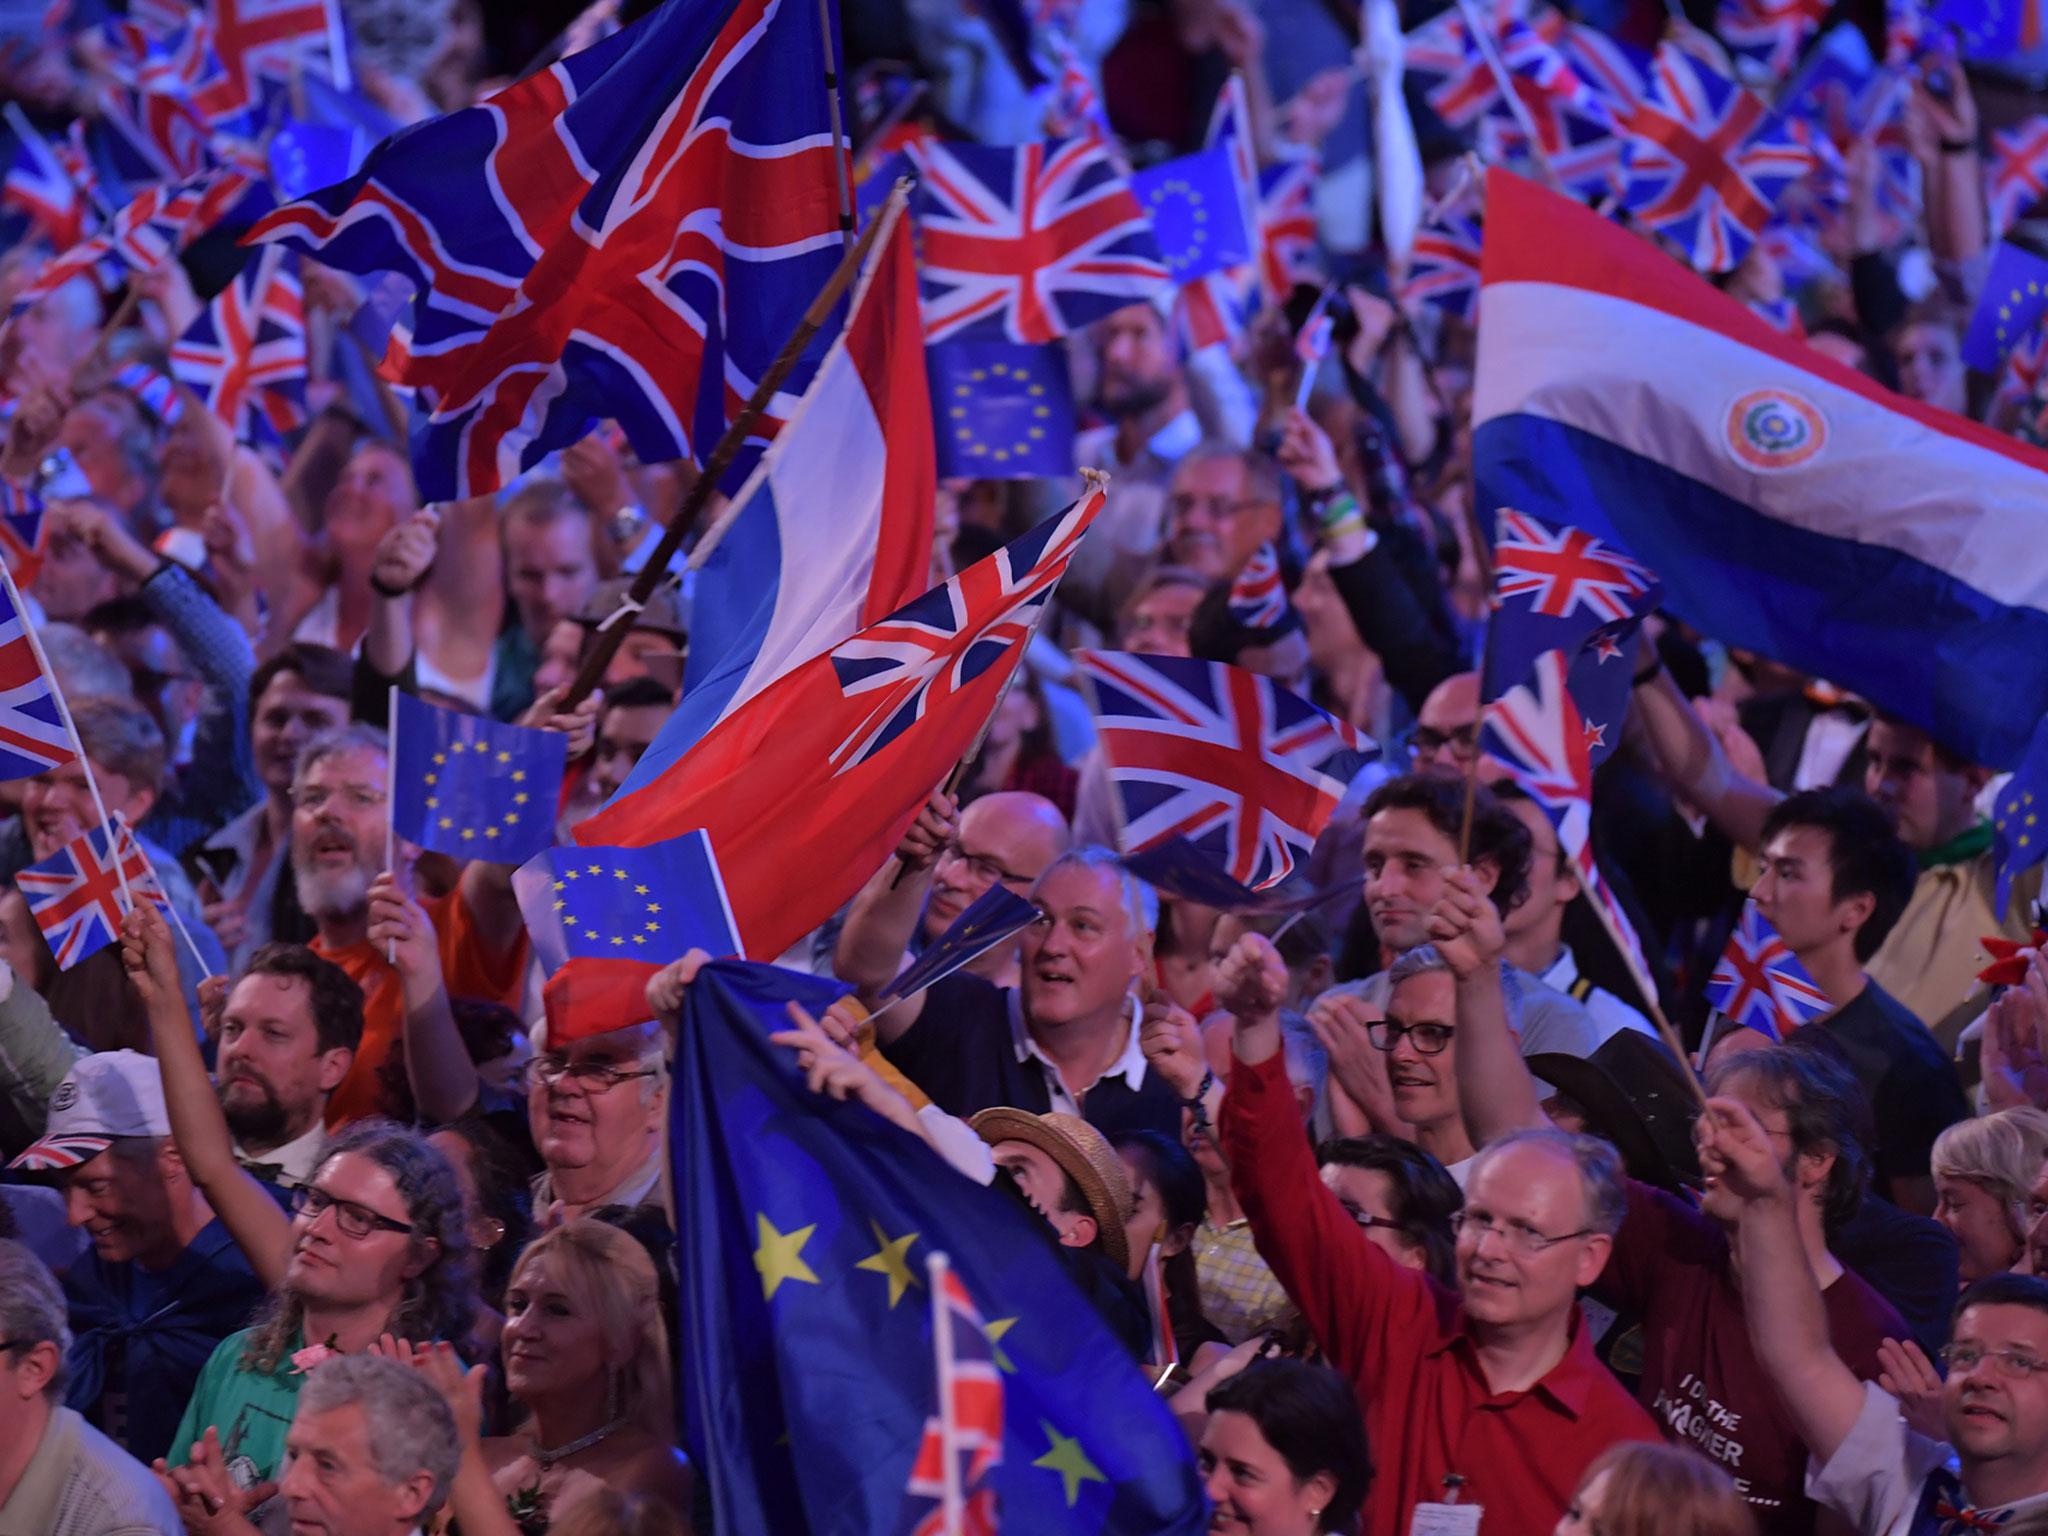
(377, 1245)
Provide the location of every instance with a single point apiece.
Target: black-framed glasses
(1519, 1236)
(591, 1076)
(354, 1220)
(1366, 1221)
(1427, 738)
(985, 868)
(1429, 1039)
(2012, 1363)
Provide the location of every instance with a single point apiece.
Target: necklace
(547, 1458)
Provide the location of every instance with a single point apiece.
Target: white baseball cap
(109, 1095)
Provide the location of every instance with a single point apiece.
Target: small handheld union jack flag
(2018, 175)
(1443, 269)
(1554, 585)
(970, 1418)
(33, 735)
(75, 894)
(1258, 597)
(40, 186)
(1246, 772)
(21, 532)
(245, 356)
(1288, 252)
(1760, 983)
(1770, 31)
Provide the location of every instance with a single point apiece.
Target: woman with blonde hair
(1655, 1490)
(1983, 1170)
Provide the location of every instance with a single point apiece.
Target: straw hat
(1084, 1155)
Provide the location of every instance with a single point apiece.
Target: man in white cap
(163, 1283)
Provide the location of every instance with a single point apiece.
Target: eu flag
(804, 1226)
(996, 914)
(2009, 310)
(1991, 30)
(1197, 215)
(472, 787)
(2019, 837)
(1001, 410)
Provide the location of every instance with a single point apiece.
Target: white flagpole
(170, 907)
(64, 713)
(953, 1501)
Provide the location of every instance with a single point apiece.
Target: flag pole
(391, 802)
(612, 633)
(842, 151)
(170, 908)
(1489, 49)
(953, 1502)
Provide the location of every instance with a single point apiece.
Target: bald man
(1447, 727)
(953, 857)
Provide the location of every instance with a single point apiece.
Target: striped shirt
(79, 1483)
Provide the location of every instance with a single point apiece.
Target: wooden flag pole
(391, 802)
(612, 633)
(842, 151)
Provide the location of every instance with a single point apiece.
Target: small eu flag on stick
(473, 787)
(2019, 836)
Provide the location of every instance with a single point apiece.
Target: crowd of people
(1404, 1200)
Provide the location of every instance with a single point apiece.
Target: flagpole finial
(1095, 479)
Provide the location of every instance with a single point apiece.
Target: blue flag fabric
(2009, 309)
(1001, 410)
(472, 787)
(2019, 838)
(804, 1227)
(1197, 215)
(1178, 868)
(993, 916)
(1990, 30)
(1554, 587)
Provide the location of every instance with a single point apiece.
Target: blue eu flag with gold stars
(473, 787)
(2010, 308)
(1001, 410)
(1197, 215)
(804, 1227)
(2019, 818)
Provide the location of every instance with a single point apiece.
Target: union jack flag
(1073, 109)
(1258, 597)
(1569, 114)
(1905, 30)
(1447, 49)
(934, 647)
(41, 187)
(1619, 73)
(974, 1391)
(152, 391)
(1029, 241)
(631, 233)
(75, 894)
(2017, 178)
(1707, 161)
(181, 63)
(1444, 268)
(21, 532)
(33, 735)
(245, 356)
(1770, 31)
(1555, 587)
(1239, 768)
(1288, 253)
(268, 39)
(1759, 982)
(152, 230)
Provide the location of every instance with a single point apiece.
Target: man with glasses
(598, 1112)
(1417, 1044)
(340, 833)
(947, 860)
(1867, 1465)
(1488, 1396)
(1446, 733)
(1674, 1267)
(1222, 504)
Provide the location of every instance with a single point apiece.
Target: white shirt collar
(1130, 1065)
(1174, 441)
(296, 1159)
(1563, 971)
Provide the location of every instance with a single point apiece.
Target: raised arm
(443, 1078)
(1691, 760)
(882, 917)
(263, 1232)
(403, 557)
(1495, 1089)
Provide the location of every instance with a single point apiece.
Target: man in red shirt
(1673, 1266)
(1488, 1396)
(340, 812)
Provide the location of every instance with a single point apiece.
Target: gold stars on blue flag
(1197, 215)
(1000, 410)
(473, 787)
(2010, 308)
(2019, 817)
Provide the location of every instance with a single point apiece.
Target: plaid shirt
(1239, 1294)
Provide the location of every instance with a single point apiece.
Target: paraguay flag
(1793, 506)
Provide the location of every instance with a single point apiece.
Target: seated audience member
(1672, 1266)
(376, 1245)
(1494, 1386)
(1402, 1199)
(1656, 1490)
(1284, 1451)
(1867, 1463)
(948, 860)
(59, 1476)
(1983, 1170)
(163, 1282)
(1067, 1037)
(288, 1037)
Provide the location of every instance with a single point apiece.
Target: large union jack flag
(2017, 177)
(33, 736)
(932, 648)
(974, 1390)
(245, 356)
(1759, 982)
(1707, 160)
(1770, 31)
(1029, 241)
(632, 233)
(1241, 769)
(75, 894)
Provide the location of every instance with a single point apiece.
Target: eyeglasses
(1518, 1236)
(982, 866)
(1427, 738)
(592, 1077)
(361, 796)
(1429, 1039)
(1367, 1222)
(354, 1220)
(2012, 1365)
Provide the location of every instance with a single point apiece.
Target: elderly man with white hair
(371, 1451)
(598, 1111)
(58, 1475)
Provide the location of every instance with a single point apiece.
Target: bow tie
(1956, 1521)
(269, 1173)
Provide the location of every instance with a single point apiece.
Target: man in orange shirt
(340, 813)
